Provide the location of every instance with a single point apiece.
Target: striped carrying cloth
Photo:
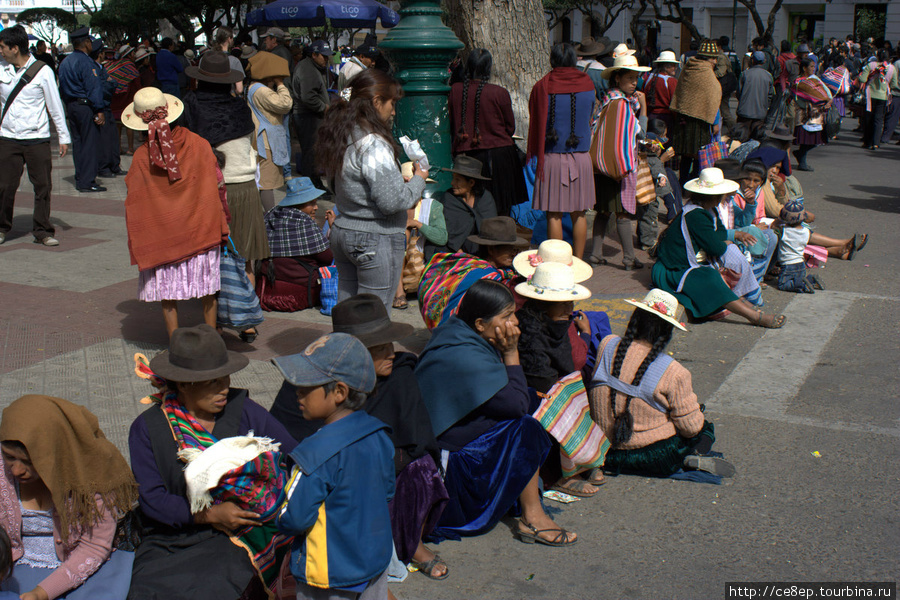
(238, 306)
(565, 414)
(612, 143)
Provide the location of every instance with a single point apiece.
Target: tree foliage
(601, 20)
(47, 23)
(132, 18)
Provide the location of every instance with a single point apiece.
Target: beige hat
(662, 304)
(627, 62)
(557, 251)
(667, 56)
(622, 50)
(142, 52)
(265, 64)
(406, 169)
(553, 282)
(149, 98)
(711, 182)
(124, 51)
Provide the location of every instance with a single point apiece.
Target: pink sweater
(674, 392)
(80, 557)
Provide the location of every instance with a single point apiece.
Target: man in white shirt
(25, 133)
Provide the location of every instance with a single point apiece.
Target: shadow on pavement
(881, 199)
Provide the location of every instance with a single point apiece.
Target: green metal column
(421, 48)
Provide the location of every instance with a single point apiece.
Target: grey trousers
(368, 263)
(377, 590)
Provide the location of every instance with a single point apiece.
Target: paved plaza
(809, 414)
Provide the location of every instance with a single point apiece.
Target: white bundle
(414, 151)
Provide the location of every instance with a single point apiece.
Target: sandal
(597, 260)
(852, 251)
(427, 568)
(777, 322)
(574, 487)
(249, 336)
(596, 477)
(532, 537)
(865, 240)
(815, 282)
(400, 303)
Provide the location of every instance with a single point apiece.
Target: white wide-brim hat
(622, 50)
(627, 62)
(711, 182)
(667, 56)
(552, 251)
(146, 99)
(662, 304)
(553, 282)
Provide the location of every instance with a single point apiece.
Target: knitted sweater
(674, 392)
(370, 192)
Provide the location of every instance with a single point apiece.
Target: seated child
(6, 564)
(337, 496)
(657, 155)
(794, 238)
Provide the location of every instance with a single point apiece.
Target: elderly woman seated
(289, 279)
(227, 527)
(447, 276)
(420, 494)
(466, 205)
(697, 246)
(64, 485)
(480, 408)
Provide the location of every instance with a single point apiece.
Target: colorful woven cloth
(614, 139)
(122, 72)
(446, 279)
(812, 90)
(565, 414)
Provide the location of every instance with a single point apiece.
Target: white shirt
(793, 241)
(27, 118)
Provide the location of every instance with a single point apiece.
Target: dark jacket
(309, 88)
(462, 221)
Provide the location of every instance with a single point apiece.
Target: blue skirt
(486, 477)
(110, 582)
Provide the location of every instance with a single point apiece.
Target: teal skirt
(704, 291)
(659, 459)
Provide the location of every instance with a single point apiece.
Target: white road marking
(772, 373)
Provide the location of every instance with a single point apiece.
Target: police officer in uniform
(82, 91)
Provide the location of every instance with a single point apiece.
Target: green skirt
(690, 135)
(659, 459)
(704, 291)
(609, 194)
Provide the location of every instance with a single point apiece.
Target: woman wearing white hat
(643, 400)
(694, 249)
(617, 196)
(660, 87)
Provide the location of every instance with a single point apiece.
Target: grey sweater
(370, 193)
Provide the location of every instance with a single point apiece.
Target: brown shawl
(170, 221)
(72, 457)
(698, 93)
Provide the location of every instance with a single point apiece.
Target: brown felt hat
(214, 67)
(468, 167)
(265, 64)
(591, 47)
(498, 231)
(364, 317)
(197, 354)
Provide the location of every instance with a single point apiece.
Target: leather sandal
(574, 487)
(533, 536)
(777, 322)
(596, 476)
(427, 568)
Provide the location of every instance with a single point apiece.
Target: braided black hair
(552, 136)
(642, 326)
(477, 139)
(461, 132)
(573, 140)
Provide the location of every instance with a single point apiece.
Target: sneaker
(710, 464)
(47, 241)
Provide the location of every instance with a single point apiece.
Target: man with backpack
(28, 93)
(787, 69)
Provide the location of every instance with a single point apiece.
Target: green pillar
(421, 48)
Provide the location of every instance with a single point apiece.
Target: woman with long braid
(559, 136)
(643, 399)
(482, 124)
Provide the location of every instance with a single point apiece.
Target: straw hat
(146, 99)
(662, 304)
(553, 282)
(124, 51)
(667, 56)
(556, 251)
(711, 182)
(407, 170)
(142, 52)
(622, 50)
(627, 62)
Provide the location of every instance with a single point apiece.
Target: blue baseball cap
(300, 190)
(332, 357)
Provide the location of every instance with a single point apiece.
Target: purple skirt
(419, 500)
(567, 184)
(195, 277)
(803, 137)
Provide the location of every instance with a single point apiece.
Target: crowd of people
(367, 453)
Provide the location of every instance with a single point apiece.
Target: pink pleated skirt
(195, 277)
(567, 184)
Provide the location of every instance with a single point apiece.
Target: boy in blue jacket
(338, 493)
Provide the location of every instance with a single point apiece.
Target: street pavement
(808, 414)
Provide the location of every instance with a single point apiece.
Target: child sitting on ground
(6, 564)
(337, 496)
(794, 238)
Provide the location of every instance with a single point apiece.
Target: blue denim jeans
(368, 263)
(793, 279)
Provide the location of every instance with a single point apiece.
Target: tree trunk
(515, 32)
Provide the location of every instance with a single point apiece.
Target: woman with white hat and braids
(659, 87)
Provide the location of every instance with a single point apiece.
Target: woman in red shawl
(175, 217)
(561, 106)
(812, 99)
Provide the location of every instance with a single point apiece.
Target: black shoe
(710, 464)
(93, 188)
(106, 174)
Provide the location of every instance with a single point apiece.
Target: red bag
(712, 152)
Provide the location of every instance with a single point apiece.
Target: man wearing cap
(225, 42)
(25, 133)
(309, 87)
(273, 41)
(756, 92)
(363, 58)
(82, 91)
